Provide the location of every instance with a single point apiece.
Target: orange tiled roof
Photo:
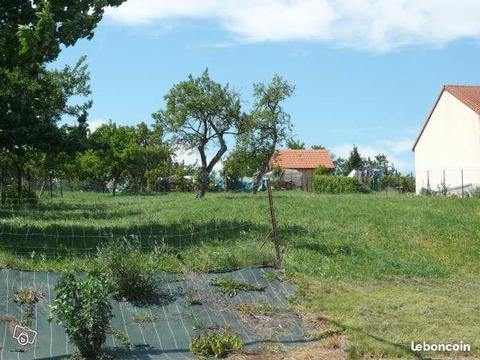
(301, 159)
(469, 95)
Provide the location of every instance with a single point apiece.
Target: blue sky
(366, 73)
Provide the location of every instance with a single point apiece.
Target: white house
(447, 150)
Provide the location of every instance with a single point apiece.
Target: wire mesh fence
(448, 181)
(72, 227)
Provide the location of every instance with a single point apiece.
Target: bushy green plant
(120, 259)
(215, 343)
(407, 184)
(321, 170)
(335, 184)
(476, 192)
(83, 309)
(10, 196)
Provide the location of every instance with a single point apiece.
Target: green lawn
(387, 269)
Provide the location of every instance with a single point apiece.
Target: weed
(27, 299)
(122, 337)
(271, 275)
(215, 343)
(230, 287)
(121, 261)
(260, 309)
(145, 318)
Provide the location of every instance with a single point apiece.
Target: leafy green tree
(199, 114)
(295, 144)
(269, 126)
(117, 150)
(33, 98)
(318, 147)
(355, 161)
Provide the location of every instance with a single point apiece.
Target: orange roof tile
(301, 159)
(468, 94)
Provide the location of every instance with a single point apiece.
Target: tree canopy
(199, 114)
(269, 126)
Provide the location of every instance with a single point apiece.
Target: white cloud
(95, 124)
(192, 157)
(188, 157)
(378, 25)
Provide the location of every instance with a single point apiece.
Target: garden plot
(252, 302)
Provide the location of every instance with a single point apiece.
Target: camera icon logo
(24, 335)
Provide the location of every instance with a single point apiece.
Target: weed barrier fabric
(165, 327)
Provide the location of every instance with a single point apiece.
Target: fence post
(428, 180)
(463, 192)
(273, 219)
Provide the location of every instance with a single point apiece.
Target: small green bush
(218, 344)
(10, 196)
(326, 184)
(83, 309)
(120, 259)
(476, 192)
(321, 170)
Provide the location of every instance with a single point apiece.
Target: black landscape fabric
(188, 305)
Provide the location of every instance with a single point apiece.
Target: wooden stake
(273, 218)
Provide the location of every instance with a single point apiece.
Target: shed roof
(301, 159)
(467, 94)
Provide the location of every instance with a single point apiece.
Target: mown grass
(388, 269)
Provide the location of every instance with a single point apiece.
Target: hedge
(328, 184)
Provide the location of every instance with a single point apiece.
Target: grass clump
(260, 309)
(230, 287)
(121, 260)
(215, 343)
(27, 298)
(145, 318)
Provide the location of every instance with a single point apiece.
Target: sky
(366, 72)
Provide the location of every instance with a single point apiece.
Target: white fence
(448, 181)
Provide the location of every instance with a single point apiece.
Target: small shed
(303, 161)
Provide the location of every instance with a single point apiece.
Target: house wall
(307, 179)
(450, 142)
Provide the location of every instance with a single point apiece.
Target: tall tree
(269, 126)
(355, 161)
(32, 97)
(199, 114)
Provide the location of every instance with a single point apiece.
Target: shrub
(216, 343)
(335, 184)
(321, 170)
(476, 192)
(83, 309)
(407, 184)
(121, 260)
(10, 196)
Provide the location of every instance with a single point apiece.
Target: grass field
(386, 269)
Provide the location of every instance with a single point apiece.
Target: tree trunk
(258, 179)
(114, 187)
(2, 184)
(203, 184)
(42, 189)
(19, 179)
(51, 186)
